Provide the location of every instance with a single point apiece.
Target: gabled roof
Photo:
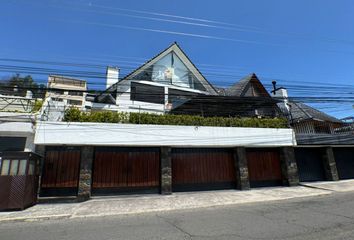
(184, 58)
(249, 86)
(300, 112)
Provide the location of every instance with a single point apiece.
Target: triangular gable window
(171, 70)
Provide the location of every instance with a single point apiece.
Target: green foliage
(75, 115)
(23, 84)
(37, 105)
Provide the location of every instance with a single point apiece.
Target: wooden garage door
(126, 170)
(264, 167)
(202, 169)
(310, 164)
(345, 162)
(60, 171)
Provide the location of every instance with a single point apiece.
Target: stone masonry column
(289, 166)
(240, 161)
(40, 150)
(85, 178)
(166, 170)
(329, 164)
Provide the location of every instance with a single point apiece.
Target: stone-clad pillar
(240, 160)
(40, 150)
(85, 178)
(289, 166)
(166, 170)
(329, 164)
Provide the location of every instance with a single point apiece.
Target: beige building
(70, 91)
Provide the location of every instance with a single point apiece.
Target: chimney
(280, 93)
(29, 94)
(274, 86)
(112, 76)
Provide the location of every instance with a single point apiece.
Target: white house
(163, 82)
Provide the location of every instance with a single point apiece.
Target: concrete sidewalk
(340, 186)
(119, 205)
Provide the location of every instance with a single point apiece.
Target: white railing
(52, 110)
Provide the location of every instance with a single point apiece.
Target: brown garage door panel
(126, 169)
(60, 172)
(264, 167)
(202, 169)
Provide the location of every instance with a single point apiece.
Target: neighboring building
(311, 126)
(303, 118)
(306, 119)
(12, 103)
(70, 91)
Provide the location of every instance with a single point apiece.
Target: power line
(95, 74)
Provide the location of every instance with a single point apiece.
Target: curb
(37, 218)
(76, 215)
(315, 187)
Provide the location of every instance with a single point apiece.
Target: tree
(18, 85)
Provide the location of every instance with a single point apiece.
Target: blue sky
(307, 46)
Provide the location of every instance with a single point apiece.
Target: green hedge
(75, 115)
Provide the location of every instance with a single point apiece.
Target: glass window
(12, 143)
(74, 102)
(147, 93)
(14, 167)
(5, 167)
(22, 167)
(31, 168)
(177, 97)
(75, 93)
(171, 70)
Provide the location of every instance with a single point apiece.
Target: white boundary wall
(19, 129)
(110, 134)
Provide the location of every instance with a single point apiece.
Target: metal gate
(310, 164)
(345, 162)
(202, 169)
(60, 171)
(264, 167)
(126, 170)
(18, 180)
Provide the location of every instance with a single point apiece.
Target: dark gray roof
(105, 98)
(249, 86)
(237, 88)
(300, 112)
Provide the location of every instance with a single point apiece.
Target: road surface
(324, 217)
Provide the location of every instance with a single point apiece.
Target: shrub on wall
(75, 115)
(37, 105)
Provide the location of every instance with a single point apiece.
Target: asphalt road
(326, 217)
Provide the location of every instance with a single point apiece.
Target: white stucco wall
(106, 134)
(19, 129)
